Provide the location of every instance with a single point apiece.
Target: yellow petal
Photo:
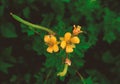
(53, 39)
(67, 36)
(63, 44)
(50, 49)
(55, 48)
(69, 49)
(75, 39)
(47, 38)
(72, 45)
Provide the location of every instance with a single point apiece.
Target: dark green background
(23, 56)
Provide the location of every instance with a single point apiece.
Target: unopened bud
(76, 30)
(67, 61)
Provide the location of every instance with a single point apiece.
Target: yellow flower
(76, 30)
(52, 43)
(69, 42)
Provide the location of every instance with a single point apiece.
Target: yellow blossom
(68, 42)
(52, 43)
(76, 30)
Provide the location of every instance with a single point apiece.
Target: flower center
(50, 44)
(69, 42)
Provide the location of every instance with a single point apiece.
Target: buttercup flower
(69, 41)
(76, 30)
(52, 43)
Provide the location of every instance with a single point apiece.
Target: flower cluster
(67, 42)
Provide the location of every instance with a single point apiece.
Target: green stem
(45, 82)
(31, 24)
(81, 77)
(63, 73)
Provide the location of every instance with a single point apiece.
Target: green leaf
(39, 78)
(107, 57)
(13, 78)
(1, 10)
(88, 81)
(26, 12)
(77, 62)
(74, 80)
(28, 30)
(5, 66)
(118, 24)
(109, 26)
(7, 55)
(27, 78)
(7, 51)
(109, 37)
(97, 77)
(38, 45)
(20, 1)
(67, 1)
(8, 30)
(50, 62)
(62, 78)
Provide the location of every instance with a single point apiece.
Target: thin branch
(81, 77)
(48, 75)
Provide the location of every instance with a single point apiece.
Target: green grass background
(23, 56)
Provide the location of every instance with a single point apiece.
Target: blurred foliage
(23, 56)
(8, 30)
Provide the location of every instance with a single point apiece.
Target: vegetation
(29, 27)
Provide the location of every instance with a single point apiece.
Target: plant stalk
(31, 24)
